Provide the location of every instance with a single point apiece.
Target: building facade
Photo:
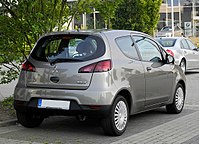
(185, 12)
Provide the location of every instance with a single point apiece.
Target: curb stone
(8, 122)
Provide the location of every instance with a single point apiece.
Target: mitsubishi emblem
(55, 69)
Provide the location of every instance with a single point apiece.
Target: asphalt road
(61, 130)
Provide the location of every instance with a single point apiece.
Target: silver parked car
(166, 31)
(106, 74)
(186, 54)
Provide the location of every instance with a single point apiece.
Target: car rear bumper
(74, 109)
(82, 97)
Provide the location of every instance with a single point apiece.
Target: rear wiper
(52, 62)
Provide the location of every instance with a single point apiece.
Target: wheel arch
(180, 60)
(127, 95)
(184, 60)
(183, 84)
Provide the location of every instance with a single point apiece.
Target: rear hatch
(64, 61)
(168, 44)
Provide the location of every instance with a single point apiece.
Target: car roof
(98, 31)
(170, 38)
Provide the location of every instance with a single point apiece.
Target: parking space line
(177, 131)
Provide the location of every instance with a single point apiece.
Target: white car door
(188, 53)
(194, 54)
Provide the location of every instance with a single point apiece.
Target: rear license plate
(54, 104)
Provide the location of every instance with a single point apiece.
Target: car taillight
(102, 66)
(27, 66)
(170, 52)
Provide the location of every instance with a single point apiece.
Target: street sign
(187, 29)
(187, 25)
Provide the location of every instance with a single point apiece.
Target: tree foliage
(25, 21)
(140, 15)
(107, 9)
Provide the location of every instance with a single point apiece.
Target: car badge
(55, 69)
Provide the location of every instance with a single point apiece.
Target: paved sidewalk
(174, 132)
(7, 90)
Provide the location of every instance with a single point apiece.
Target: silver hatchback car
(106, 74)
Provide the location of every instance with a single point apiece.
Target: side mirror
(196, 49)
(170, 59)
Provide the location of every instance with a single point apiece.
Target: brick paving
(174, 132)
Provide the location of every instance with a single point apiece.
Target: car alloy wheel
(178, 101)
(115, 123)
(179, 98)
(120, 115)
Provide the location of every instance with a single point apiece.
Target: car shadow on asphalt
(192, 72)
(92, 125)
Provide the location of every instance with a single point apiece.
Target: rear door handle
(148, 68)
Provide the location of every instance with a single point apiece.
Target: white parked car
(186, 54)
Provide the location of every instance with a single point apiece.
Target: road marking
(177, 131)
(12, 141)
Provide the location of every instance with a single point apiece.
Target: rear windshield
(59, 48)
(165, 29)
(167, 42)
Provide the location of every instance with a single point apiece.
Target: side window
(184, 44)
(191, 45)
(127, 46)
(149, 50)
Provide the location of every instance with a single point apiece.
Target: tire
(178, 101)
(183, 65)
(115, 124)
(29, 120)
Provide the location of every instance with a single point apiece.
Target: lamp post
(193, 15)
(180, 19)
(166, 13)
(172, 18)
(94, 18)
